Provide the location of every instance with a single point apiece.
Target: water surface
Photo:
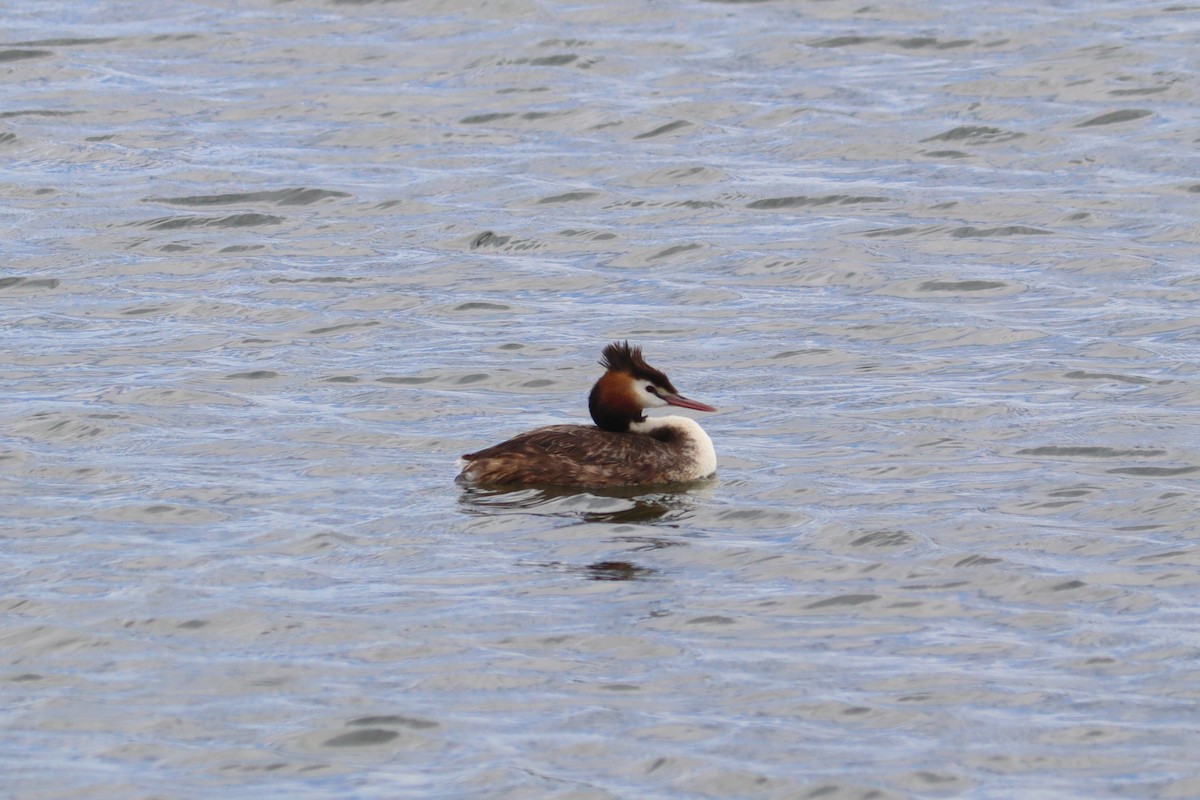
(271, 267)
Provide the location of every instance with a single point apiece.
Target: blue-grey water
(270, 267)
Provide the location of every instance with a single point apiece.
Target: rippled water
(270, 267)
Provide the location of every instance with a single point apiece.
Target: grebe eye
(652, 389)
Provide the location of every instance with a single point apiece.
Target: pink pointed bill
(683, 402)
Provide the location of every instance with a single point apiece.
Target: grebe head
(628, 386)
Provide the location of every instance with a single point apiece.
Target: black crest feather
(624, 357)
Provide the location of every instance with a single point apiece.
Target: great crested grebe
(623, 448)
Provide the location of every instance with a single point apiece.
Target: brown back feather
(578, 455)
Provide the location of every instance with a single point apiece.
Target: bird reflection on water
(628, 506)
(616, 571)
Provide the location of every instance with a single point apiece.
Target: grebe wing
(580, 443)
(573, 454)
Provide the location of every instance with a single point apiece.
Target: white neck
(703, 455)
